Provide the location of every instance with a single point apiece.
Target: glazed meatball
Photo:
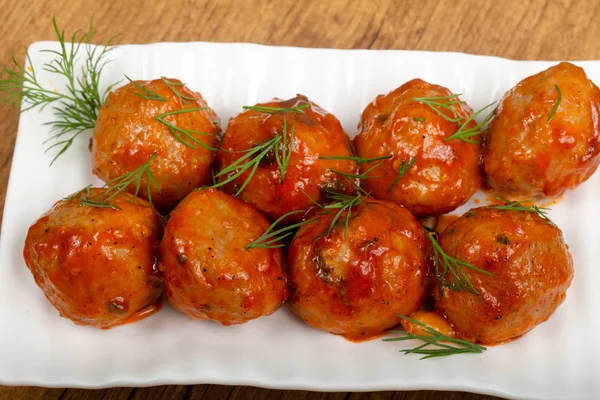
(129, 131)
(209, 273)
(312, 134)
(97, 265)
(538, 145)
(531, 266)
(439, 174)
(355, 282)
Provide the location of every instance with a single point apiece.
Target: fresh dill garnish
(444, 265)
(465, 134)
(280, 145)
(271, 239)
(145, 93)
(362, 175)
(249, 161)
(277, 110)
(419, 119)
(172, 85)
(432, 342)
(185, 136)
(342, 202)
(404, 167)
(558, 100)
(440, 103)
(519, 206)
(120, 184)
(283, 155)
(75, 110)
(358, 160)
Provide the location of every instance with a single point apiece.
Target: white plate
(558, 359)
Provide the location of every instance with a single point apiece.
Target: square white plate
(558, 359)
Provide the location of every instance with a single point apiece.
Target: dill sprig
(519, 206)
(358, 160)
(75, 110)
(439, 104)
(280, 145)
(185, 136)
(404, 167)
(120, 184)
(172, 85)
(446, 266)
(558, 100)
(432, 342)
(343, 203)
(277, 110)
(145, 93)
(271, 239)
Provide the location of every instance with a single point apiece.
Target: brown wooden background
(521, 29)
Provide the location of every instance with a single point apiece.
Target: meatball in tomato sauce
(161, 117)
(529, 265)
(308, 145)
(354, 281)
(426, 170)
(209, 271)
(545, 135)
(97, 265)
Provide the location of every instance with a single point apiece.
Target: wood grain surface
(520, 29)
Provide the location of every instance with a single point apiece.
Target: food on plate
(96, 265)
(545, 135)
(209, 273)
(425, 142)
(279, 155)
(161, 117)
(514, 270)
(353, 274)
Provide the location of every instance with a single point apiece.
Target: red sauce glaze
(445, 174)
(97, 265)
(532, 270)
(127, 135)
(317, 134)
(208, 272)
(355, 285)
(527, 155)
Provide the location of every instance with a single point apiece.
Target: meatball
(426, 172)
(531, 266)
(312, 135)
(545, 135)
(161, 117)
(354, 282)
(97, 265)
(209, 273)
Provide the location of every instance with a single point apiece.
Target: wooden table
(521, 29)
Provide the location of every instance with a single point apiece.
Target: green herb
(432, 342)
(120, 184)
(465, 134)
(441, 103)
(185, 136)
(404, 167)
(87, 190)
(358, 160)
(249, 161)
(342, 202)
(518, 206)
(419, 119)
(558, 100)
(271, 239)
(284, 155)
(76, 110)
(145, 93)
(445, 265)
(277, 110)
(173, 86)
